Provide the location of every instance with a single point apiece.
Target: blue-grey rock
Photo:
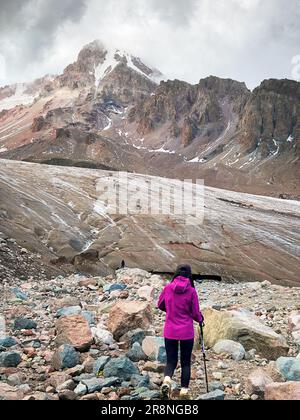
(100, 364)
(127, 398)
(215, 395)
(135, 336)
(125, 384)
(231, 348)
(81, 390)
(20, 294)
(36, 344)
(8, 342)
(89, 317)
(136, 392)
(150, 395)
(83, 377)
(97, 384)
(215, 386)
(154, 348)
(112, 287)
(136, 353)
(65, 357)
(289, 367)
(68, 311)
(121, 367)
(140, 381)
(10, 359)
(24, 324)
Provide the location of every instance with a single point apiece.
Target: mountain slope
(110, 110)
(63, 216)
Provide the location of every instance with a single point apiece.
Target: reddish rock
(257, 381)
(58, 378)
(10, 393)
(289, 391)
(75, 331)
(146, 292)
(127, 316)
(88, 282)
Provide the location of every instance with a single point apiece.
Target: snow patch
(3, 149)
(290, 139)
(19, 98)
(106, 67)
(197, 160)
(108, 125)
(278, 148)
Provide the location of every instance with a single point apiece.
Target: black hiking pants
(186, 349)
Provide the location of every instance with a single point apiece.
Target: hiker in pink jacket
(179, 300)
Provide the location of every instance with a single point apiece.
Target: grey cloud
(28, 27)
(247, 40)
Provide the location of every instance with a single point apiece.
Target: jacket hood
(180, 285)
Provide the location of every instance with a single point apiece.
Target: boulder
(75, 331)
(139, 381)
(146, 292)
(19, 294)
(67, 395)
(135, 336)
(274, 373)
(132, 275)
(81, 390)
(24, 324)
(231, 348)
(68, 385)
(289, 367)
(126, 316)
(212, 396)
(257, 381)
(108, 288)
(100, 364)
(96, 385)
(102, 336)
(68, 311)
(242, 326)
(57, 379)
(288, 391)
(136, 353)
(8, 342)
(89, 316)
(154, 348)
(10, 359)
(294, 321)
(10, 393)
(65, 357)
(154, 367)
(121, 367)
(88, 282)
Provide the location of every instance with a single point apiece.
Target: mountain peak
(100, 60)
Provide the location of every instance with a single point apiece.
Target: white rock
(102, 336)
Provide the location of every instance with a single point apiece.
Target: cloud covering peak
(247, 40)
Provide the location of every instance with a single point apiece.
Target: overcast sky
(247, 40)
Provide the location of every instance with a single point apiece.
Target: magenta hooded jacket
(180, 302)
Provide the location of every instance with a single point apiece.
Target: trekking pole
(204, 357)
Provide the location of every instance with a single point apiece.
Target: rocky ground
(98, 338)
(18, 262)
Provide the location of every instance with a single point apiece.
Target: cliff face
(190, 111)
(272, 113)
